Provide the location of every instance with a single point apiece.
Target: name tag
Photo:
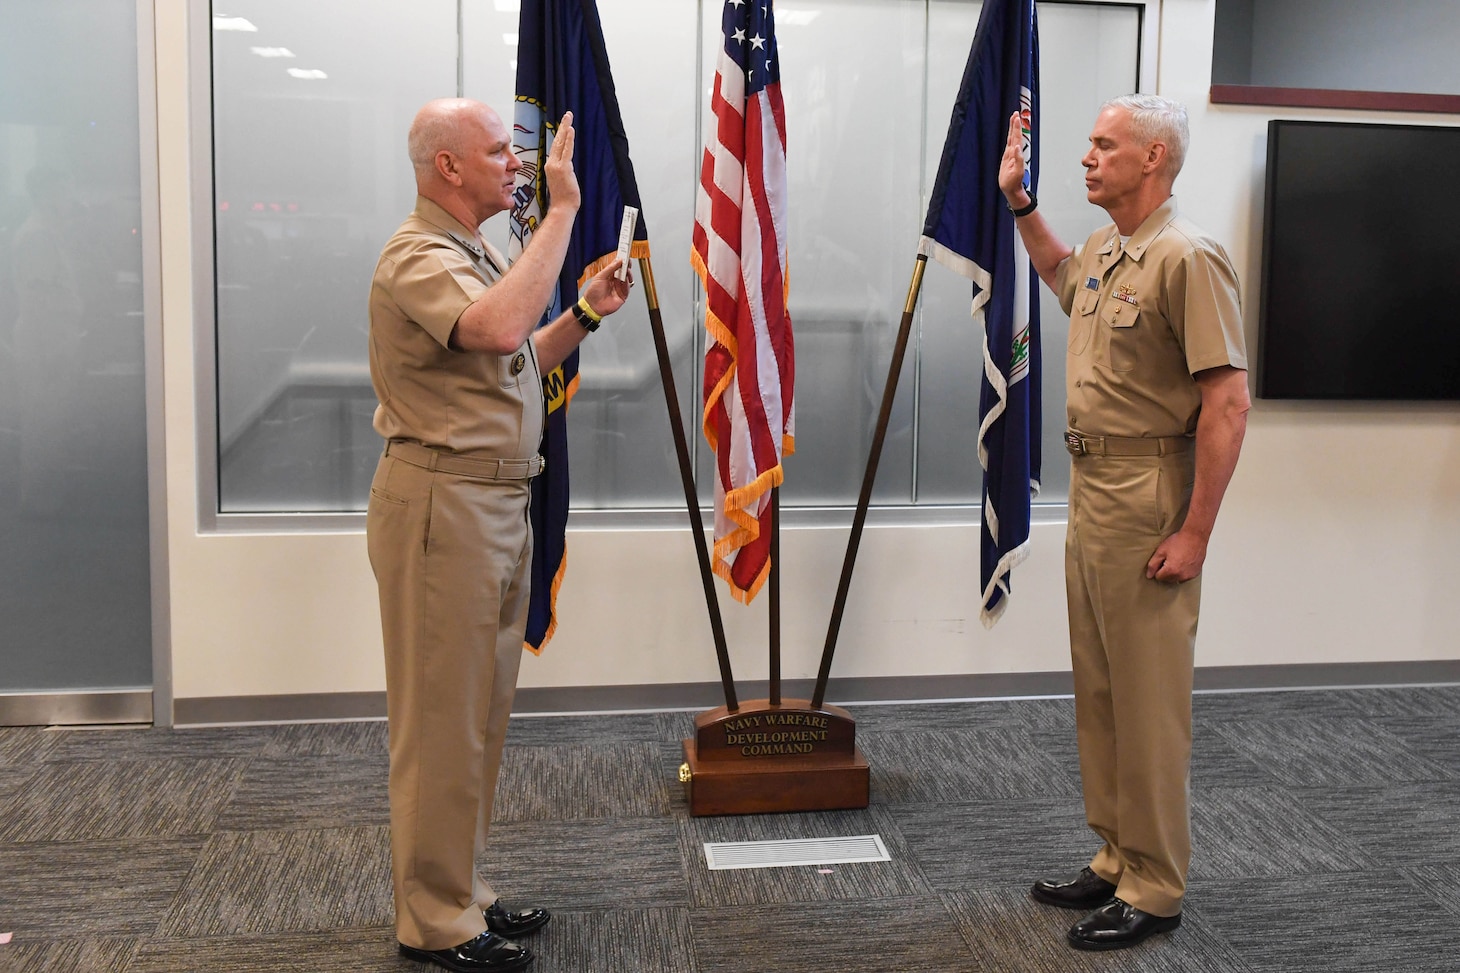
(1092, 284)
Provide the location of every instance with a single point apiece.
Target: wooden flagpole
(687, 480)
(775, 597)
(889, 392)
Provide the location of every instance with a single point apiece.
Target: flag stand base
(765, 758)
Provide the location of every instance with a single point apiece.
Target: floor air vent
(796, 851)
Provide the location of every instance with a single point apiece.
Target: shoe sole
(422, 956)
(1098, 946)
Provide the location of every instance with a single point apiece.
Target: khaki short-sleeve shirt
(471, 402)
(1144, 319)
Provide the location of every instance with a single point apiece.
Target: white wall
(1337, 543)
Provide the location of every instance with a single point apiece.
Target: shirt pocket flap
(1119, 314)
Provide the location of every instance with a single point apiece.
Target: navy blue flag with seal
(969, 229)
(562, 66)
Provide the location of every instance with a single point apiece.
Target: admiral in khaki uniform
(1157, 403)
(457, 366)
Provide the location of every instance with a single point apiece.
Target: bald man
(457, 361)
(1156, 383)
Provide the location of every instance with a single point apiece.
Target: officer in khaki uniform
(1157, 400)
(457, 366)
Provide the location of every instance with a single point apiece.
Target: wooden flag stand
(767, 755)
(774, 755)
(796, 755)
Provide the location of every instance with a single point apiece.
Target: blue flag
(562, 65)
(970, 229)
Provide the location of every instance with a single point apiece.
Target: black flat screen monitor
(1360, 262)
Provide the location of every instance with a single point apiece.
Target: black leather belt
(488, 469)
(1081, 445)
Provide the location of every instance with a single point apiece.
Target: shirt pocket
(1119, 318)
(510, 369)
(1082, 321)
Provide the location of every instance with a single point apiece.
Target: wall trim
(533, 701)
(78, 708)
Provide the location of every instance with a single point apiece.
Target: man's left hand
(1178, 558)
(605, 293)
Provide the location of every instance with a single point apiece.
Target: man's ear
(446, 167)
(1155, 158)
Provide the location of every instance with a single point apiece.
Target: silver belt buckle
(1074, 443)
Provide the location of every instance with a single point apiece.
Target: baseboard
(76, 708)
(313, 707)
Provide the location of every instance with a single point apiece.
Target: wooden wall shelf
(1251, 94)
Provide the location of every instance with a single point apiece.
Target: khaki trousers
(1132, 644)
(451, 556)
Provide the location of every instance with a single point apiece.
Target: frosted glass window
(312, 177)
(622, 453)
(311, 103)
(74, 583)
(1088, 53)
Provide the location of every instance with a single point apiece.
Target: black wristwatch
(585, 317)
(1024, 210)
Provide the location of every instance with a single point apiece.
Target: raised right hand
(562, 181)
(1011, 169)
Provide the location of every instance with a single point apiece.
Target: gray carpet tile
(1243, 707)
(1435, 738)
(99, 955)
(588, 863)
(347, 738)
(24, 746)
(1008, 932)
(962, 765)
(1441, 701)
(742, 887)
(963, 715)
(1439, 883)
(1361, 922)
(83, 801)
(616, 941)
(673, 727)
(671, 757)
(1042, 715)
(1309, 751)
(908, 935)
(1404, 824)
(73, 890)
(602, 780)
(161, 743)
(268, 882)
(1060, 746)
(963, 846)
(275, 793)
(1265, 832)
(364, 950)
(535, 731)
(1217, 765)
(1318, 817)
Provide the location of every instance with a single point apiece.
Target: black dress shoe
(1085, 890)
(1116, 925)
(514, 924)
(488, 953)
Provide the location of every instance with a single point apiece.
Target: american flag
(740, 255)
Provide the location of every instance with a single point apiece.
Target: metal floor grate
(795, 851)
